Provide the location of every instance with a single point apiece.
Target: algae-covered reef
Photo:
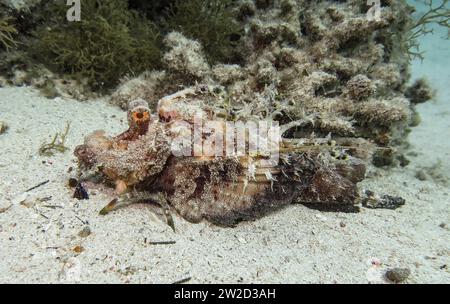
(322, 64)
(325, 66)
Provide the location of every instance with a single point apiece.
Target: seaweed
(153, 10)
(109, 42)
(56, 145)
(211, 22)
(7, 33)
(436, 14)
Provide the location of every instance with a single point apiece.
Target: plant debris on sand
(56, 145)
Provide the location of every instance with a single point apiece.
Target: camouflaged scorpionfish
(223, 190)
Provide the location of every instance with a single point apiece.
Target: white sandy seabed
(39, 238)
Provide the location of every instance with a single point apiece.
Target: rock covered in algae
(325, 63)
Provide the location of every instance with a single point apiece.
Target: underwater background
(384, 82)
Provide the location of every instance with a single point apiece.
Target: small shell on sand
(398, 275)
